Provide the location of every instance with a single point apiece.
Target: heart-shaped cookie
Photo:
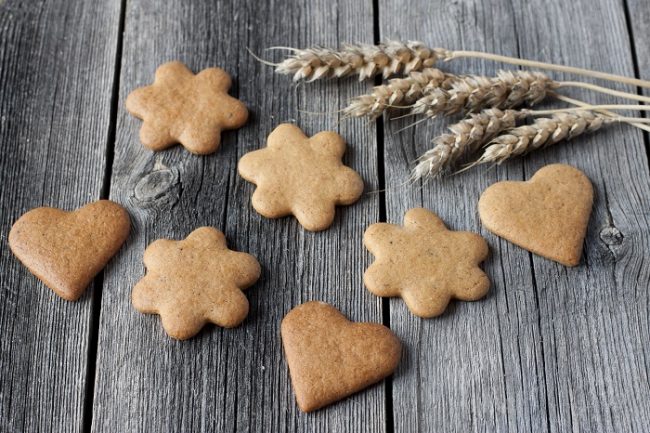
(330, 357)
(67, 249)
(546, 215)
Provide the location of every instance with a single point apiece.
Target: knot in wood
(611, 236)
(156, 185)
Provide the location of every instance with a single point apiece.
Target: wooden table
(551, 349)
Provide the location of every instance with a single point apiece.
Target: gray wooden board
(56, 74)
(478, 367)
(639, 16)
(595, 321)
(551, 348)
(237, 379)
(639, 24)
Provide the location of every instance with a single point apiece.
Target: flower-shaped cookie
(180, 107)
(303, 176)
(195, 281)
(425, 263)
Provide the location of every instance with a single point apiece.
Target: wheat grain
(474, 92)
(364, 60)
(542, 132)
(398, 92)
(465, 137)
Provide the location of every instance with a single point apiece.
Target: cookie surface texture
(195, 281)
(425, 263)
(330, 357)
(547, 215)
(301, 176)
(180, 107)
(66, 250)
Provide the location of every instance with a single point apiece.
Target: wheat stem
(449, 55)
(588, 107)
(631, 120)
(604, 90)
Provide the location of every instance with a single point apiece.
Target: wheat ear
(474, 92)
(544, 131)
(394, 57)
(398, 92)
(364, 60)
(465, 137)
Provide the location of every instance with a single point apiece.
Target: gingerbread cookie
(180, 107)
(195, 281)
(302, 176)
(547, 215)
(425, 263)
(330, 357)
(66, 250)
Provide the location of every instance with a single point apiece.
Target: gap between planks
(98, 282)
(637, 73)
(381, 180)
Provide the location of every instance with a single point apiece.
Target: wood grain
(56, 73)
(638, 23)
(595, 317)
(236, 379)
(550, 349)
(476, 368)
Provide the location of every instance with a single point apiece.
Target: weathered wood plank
(56, 74)
(227, 380)
(595, 318)
(551, 349)
(476, 368)
(639, 26)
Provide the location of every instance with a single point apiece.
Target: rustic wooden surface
(544, 351)
(55, 122)
(550, 349)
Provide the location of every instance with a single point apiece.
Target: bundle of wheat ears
(493, 126)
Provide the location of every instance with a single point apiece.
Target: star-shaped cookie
(195, 281)
(425, 263)
(180, 107)
(301, 175)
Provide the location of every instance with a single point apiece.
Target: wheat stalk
(394, 57)
(364, 60)
(433, 92)
(542, 132)
(488, 126)
(398, 92)
(465, 137)
(474, 92)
